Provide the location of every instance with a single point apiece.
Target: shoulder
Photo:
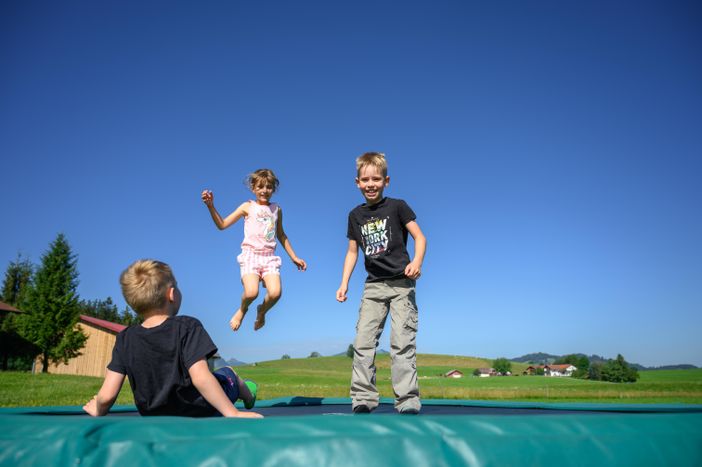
(398, 203)
(186, 321)
(356, 209)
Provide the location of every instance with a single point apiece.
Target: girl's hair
(375, 159)
(262, 176)
(145, 284)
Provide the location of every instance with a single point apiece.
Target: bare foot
(260, 318)
(235, 322)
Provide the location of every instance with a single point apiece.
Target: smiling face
(263, 191)
(372, 183)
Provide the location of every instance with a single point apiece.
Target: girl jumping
(263, 223)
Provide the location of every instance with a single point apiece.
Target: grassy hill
(330, 377)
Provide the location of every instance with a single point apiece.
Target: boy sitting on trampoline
(165, 357)
(380, 227)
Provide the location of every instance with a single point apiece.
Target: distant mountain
(672, 367)
(540, 358)
(379, 352)
(220, 362)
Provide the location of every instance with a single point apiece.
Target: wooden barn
(97, 352)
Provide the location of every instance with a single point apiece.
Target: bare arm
(285, 241)
(208, 198)
(106, 397)
(414, 268)
(349, 264)
(209, 387)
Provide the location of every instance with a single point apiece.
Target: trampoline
(315, 431)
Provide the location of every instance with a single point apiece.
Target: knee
(274, 294)
(250, 294)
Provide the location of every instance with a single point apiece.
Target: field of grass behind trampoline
(330, 376)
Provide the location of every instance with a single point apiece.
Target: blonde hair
(145, 284)
(376, 159)
(262, 175)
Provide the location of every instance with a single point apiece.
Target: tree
(502, 365)
(107, 310)
(350, 351)
(51, 306)
(595, 371)
(619, 371)
(579, 361)
(102, 309)
(16, 353)
(285, 357)
(18, 277)
(314, 355)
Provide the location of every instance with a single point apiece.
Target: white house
(565, 369)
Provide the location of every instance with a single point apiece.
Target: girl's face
(263, 191)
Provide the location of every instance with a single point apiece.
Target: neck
(154, 319)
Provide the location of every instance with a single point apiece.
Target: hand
(413, 270)
(300, 263)
(241, 414)
(207, 197)
(341, 294)
(91, 407)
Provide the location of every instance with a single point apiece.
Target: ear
(357, 181)
(387, 180)
(170, 295)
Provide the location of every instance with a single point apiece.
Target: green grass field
(330, 377)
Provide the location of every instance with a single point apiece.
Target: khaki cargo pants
(398, 297)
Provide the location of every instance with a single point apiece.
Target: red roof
(101, 323)
(5, 307)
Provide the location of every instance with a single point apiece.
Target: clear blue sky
(551, 150)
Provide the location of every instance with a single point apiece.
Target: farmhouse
(454, 374)
(485, 372)
(531, 370)
(565, 369)
(97, 352)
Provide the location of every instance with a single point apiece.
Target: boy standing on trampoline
(165, 357)
(379, 227)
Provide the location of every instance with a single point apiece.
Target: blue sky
(551, 150)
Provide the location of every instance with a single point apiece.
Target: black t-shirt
(156, 361)
(380, 231)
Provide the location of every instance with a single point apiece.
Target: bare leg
(250, 282)
(272, 282)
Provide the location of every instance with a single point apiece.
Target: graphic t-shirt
(260, 227)
(156, 361)
(380, 231)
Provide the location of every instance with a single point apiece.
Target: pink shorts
(258, 263)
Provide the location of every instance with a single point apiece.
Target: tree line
(615, 370)
(51, 307)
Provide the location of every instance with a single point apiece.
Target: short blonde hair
(376, 159)
(262, 175)
(145, 284)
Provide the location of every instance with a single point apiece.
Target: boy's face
(372, 183)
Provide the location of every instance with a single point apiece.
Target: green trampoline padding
(581, 434)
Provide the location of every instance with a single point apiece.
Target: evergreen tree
(350, 351)
(51, 306)
(18, 278)
(619, 371)
(16, 353)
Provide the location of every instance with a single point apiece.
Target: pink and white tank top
(260, 228)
